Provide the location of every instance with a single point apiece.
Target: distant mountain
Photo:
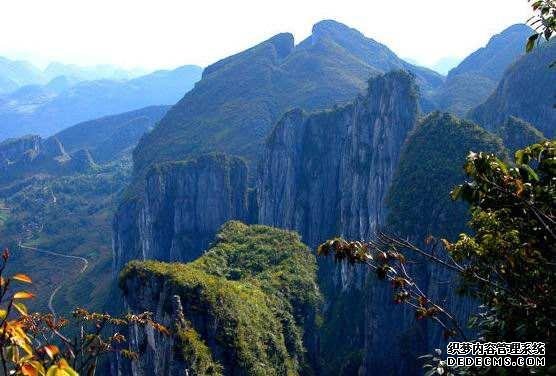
(16, 73)
(476, 77)
(239, 98)
(25, 157)
(97, 72)
(110, 137)
(45, 110)
(527, 91)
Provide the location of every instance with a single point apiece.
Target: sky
(168, 33)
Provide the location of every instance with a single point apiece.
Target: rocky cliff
(246, 307)
(30, 155)
(183, 206)
(328, 174)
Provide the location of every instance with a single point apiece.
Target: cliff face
(246, 307)
(184, 204)
(328, 173)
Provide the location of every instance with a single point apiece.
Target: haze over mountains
(17, 73)
(65, 101)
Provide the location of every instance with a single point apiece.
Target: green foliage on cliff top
(258, 284)
(431, 164)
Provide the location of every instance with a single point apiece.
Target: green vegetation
(526, 91)
(70, 215)
(429, 168)
(259, 285)
(513, 247)
(506, 264)
(195, 351)
(518, 134)
(235, 116)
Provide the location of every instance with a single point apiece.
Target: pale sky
(168, 33)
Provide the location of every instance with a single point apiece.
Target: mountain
(417, 209)
(16, 73)
(97, 72)
(526, 91)
(476, 77)
(248, 306)
(111, 137)
(30, 155)
(234, 106)
(322, 174)
(45, 110)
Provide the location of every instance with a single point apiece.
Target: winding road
(83, 268)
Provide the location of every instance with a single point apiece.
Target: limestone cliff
(184, 204)
(327, 173)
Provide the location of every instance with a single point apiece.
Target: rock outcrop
(27, 156)
(246, 307)
(183, 206)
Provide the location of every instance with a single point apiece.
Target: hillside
(235, 115)
(58, 199)
(518, 134)
(476, 77)
(430, 166)
(45, 110)
(110, 137)
(526, 91)
(248, 306)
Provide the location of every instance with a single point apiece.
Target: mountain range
(333, 136)
(47, 109)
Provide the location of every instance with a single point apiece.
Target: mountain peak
(330, 26)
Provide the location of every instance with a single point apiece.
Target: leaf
(21, 308)
(51, 351)
(23, 295)
(28, 370)
(22, 278)
(531, 42)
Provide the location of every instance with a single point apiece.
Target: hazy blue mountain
(239, 98)
(45, 110)
(16, 73)
(476, 77)
(445, 64)
(110, 137)
(527, 91)
(91, 73)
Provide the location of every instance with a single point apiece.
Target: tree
(543, 22)
(33, 344)
(508, 264)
